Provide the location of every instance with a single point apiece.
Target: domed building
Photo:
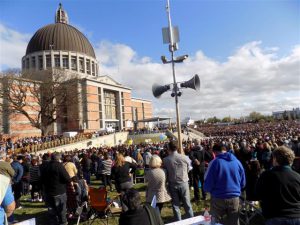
(101, 102)
(60, 45)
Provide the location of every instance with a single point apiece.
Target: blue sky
(216, 34)
(215, 27)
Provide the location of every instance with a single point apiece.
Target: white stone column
(61, 59)
(120, 111)
(91, 66)
(80, 106)
(84, 65)
(103, 107)
(44, 60)
(69, 59)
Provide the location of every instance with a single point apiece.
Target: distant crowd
(253, 162)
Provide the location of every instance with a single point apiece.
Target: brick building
(101, 101)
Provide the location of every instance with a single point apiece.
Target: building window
(23, 64)
(100, 120)
(48, 61)
(81, 65)
(27, 63)
(74, 63)
(33, 63)
(96, 67)
(110, 105)
(65, 62)
(57, 61)
(93, 68)
(88, 66)
(40, 59)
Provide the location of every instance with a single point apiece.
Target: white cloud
(12, 47)
(254, 78)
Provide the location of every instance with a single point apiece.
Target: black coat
(279, 192)
(54, 178)
(143, 216)
(202, 156)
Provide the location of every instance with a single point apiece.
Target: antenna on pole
(170, 33)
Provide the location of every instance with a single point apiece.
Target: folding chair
(99, 206)
(79, 211)
(139, 174)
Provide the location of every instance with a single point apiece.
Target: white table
(190, 221)
(27, 222)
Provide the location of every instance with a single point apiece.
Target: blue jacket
(18, 171)
(225, 177)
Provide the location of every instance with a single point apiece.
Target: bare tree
(42, 101)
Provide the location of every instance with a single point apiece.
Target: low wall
(140, 138)
(108, 140)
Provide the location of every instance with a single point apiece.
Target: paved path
(193, 134)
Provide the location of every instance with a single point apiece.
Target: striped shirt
(106, 166)
(34, 173)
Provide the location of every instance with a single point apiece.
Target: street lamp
(171, 36)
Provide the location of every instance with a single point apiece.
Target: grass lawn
(37, 210)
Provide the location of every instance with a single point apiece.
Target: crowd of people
(257, 161)
(10, 144)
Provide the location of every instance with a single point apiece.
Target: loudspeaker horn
(158, 90)
(193, 83)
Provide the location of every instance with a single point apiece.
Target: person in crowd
(279, 190)
(54, 179)
(17, 179)
(84, 188)
(9, 144)
(35, 180)
(7, 203)
(95, 159)
(188, 152)
(106, 170)
(177, 167)
(86, 164)
(129, 159)
(136, 213)
(70, 166)
(266, 156)
(139, 160)
(5, 167)
(199, 158)
(296, 150)
(224, 180)
(43, 166)
(73, 192)
(253, 171)
(122, 172)
(26, 175)
(156, 179)
(146, 158)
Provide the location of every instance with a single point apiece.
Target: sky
(246, 52)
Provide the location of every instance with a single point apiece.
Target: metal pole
(171, 48)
